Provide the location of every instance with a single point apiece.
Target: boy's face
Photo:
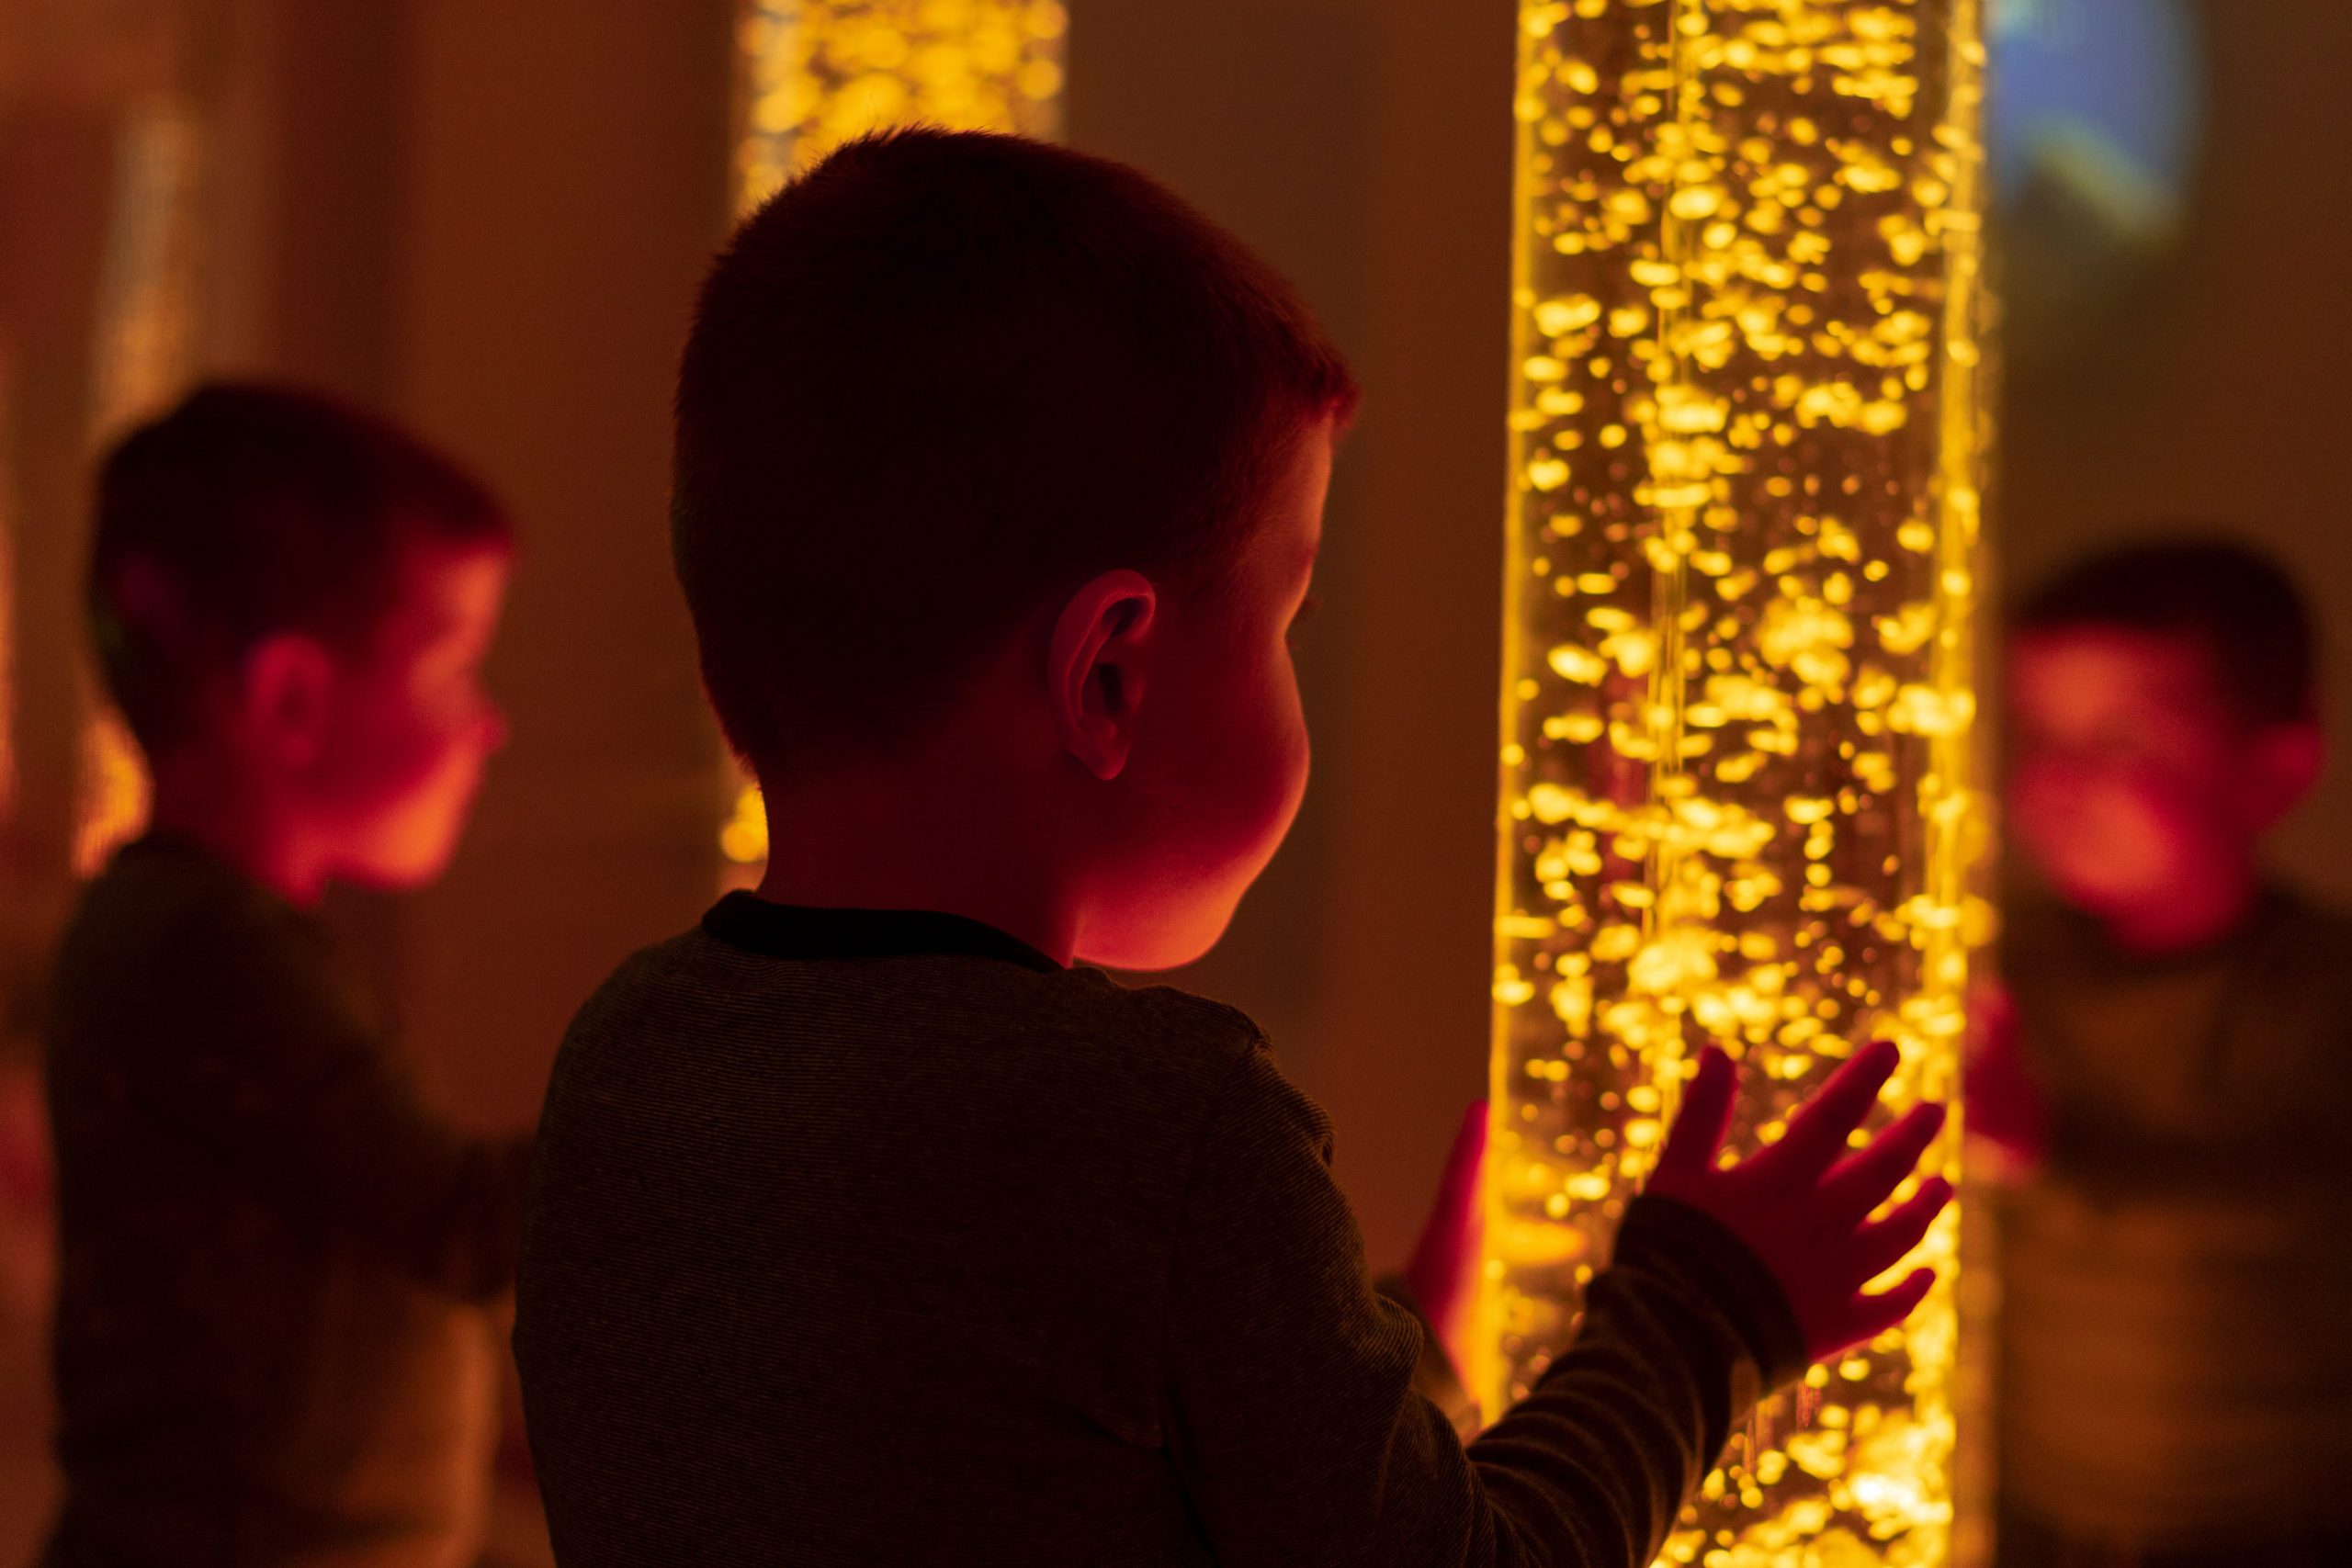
(404, 739)
(1220, 758)
(2133, 785)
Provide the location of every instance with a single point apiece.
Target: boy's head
(2163, 718)
(291, 600)
(970, 424)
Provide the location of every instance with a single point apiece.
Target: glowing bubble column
(151, 305)
(1746, 446)
(815, 73)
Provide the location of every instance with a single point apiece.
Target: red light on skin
(2008, 1126)
(2136, 789)
(412, 726)
(1219, 758)
(356, 763)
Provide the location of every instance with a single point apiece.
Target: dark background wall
(2225, 394)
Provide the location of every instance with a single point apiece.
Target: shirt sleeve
(260, 1057)
(1435, 1377)
(1295, 1423)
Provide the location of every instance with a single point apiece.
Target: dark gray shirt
(861, 1237)
(2177, 1367)
(269, 1344)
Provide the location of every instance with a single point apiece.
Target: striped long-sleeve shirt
(878, 1238)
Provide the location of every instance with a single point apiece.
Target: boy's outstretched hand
(1443, 1272)
(2009, 1122)
(1803, 1205)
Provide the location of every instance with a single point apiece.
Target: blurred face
(409, 726)
(2132, 785)
(1220, 757)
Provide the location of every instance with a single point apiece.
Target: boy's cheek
(407, 839)
(1282, 765)
(2105, 838)
(1246, 757)
(399, 796)
(1220, 803)
(1247, 795)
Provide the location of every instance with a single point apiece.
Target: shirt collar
(749, 922)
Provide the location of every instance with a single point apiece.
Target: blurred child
(2171, 1078)
(270, 1347)
(867, 1229)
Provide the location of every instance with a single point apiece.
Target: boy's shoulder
(2304, 948)
(1034, 1088)
(2309, 917)
(932, 985)
(2302, 939)
(170, 940)
(171, 906)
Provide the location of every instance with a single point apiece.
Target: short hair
(251, 510)
(941, 377)
(2242, 605)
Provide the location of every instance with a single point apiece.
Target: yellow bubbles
(744, 839)
(1671, 961)
(820, 73)
(1742, 799)
(1571, 662)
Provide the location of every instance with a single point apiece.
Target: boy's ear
(289, 682)
(1094, 669)
(2283, 765)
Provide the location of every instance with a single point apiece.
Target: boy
(2173, 1082)
(270, 1344)
(866, 1229)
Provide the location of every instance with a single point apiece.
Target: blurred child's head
(999, 458)
(2163, 719)
(291, 600)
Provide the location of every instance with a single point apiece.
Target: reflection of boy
(2173, 1078)
(867, 1229)
(268, 1344)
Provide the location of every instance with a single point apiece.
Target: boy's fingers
(1697, 1136)
(1861, 1182)
(1818, 1131)
(1991, 1024)
(1465, 1159)
(1454, 1212)
(1874, 1314)
(1882, 1244)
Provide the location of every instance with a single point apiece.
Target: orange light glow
(146, 352)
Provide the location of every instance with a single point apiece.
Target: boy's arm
(1439, 1284)
(263, 1063)
(1294, 1420)
(2008, 1118)
(1436, 1377)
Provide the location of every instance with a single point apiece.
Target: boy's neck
(2185, 924)
(847, 843)
(225, 818)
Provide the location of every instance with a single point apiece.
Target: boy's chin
(2110, 898)
(406, 869)
(1149, 946)
(380, 879)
